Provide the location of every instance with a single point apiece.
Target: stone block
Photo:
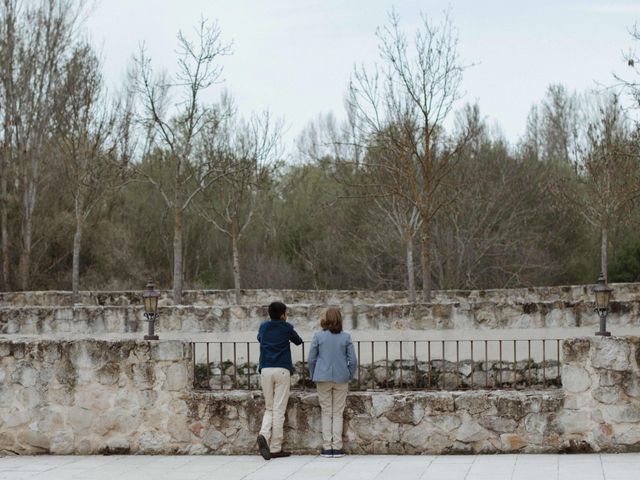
(176, 377)
(575, 379)
(380, 404)
(474, 402)
(608, 395)
(425, 438)
(168, 350)
(511, 442)
(406, 411)
(62, 442)
(108, 374)
(498, 424)
(79, 419)
(446, 423)
(471, 431)
(5, 348)
(38, 440)
(629, 413)
(153, 442)
(573, 421)
(611, 353)
(609, 378)
(213, 438)
(25, 376)
(576, 349)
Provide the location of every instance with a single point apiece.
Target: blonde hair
(331, 320)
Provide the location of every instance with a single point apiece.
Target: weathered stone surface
(472, 432)
(92, 396)
(511, 442)
(498, 424)
(611, 353)
(177, 377)
(607, 395)
(629, 413)
(380, 404)
(425, 436)
(570, 421)
(168, 350)
(37, 440)
(575, 379)
(609, 378)
(474, 402)
(216, 311)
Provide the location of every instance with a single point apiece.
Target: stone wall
(242, 321)
(567, 293)
(90, 397)
(97, 396)
(601, 379)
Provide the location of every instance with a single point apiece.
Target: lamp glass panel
(147, 304)
(153, 304)
(602, 299)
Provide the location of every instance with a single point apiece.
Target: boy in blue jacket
(275, 370)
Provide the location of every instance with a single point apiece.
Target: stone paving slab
(307, 467)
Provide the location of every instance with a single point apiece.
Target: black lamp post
(150, 298)
(602, 292)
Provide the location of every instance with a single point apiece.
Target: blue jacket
(274, 337)
(332, 357)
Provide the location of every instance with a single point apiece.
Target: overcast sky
(294, 57)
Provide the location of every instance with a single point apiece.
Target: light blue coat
(332, 357)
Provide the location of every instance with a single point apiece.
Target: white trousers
(332, 398)
(276, 383)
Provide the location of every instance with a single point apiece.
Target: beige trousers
(275, 387)
(332, 397)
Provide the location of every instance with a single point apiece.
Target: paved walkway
(354, 467)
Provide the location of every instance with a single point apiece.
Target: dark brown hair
(331, 320)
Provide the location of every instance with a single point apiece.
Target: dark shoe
(326, 453)
(338, 453)
(281, 454)
(263, 447)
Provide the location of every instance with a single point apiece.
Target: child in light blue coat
(332, 363)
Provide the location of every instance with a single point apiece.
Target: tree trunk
(411, 276)
(603, 253)
(75, 270)
(425, 261)
(4, 235)
(24, 265)
(177, 256)
(28, 205)
(236, 264)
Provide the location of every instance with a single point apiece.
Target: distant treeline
(106, 189)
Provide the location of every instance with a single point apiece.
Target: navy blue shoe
(326, 453)
(263, 447)
(338, 453)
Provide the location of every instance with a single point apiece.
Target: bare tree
(85, 137)
(607, 183)
(7, 109)
(386, 184)
(38, 37)
(404, 102)
(178, 129)
(552, 127)
(250, 153)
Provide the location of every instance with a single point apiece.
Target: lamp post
(602, 292)
(150, 298)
